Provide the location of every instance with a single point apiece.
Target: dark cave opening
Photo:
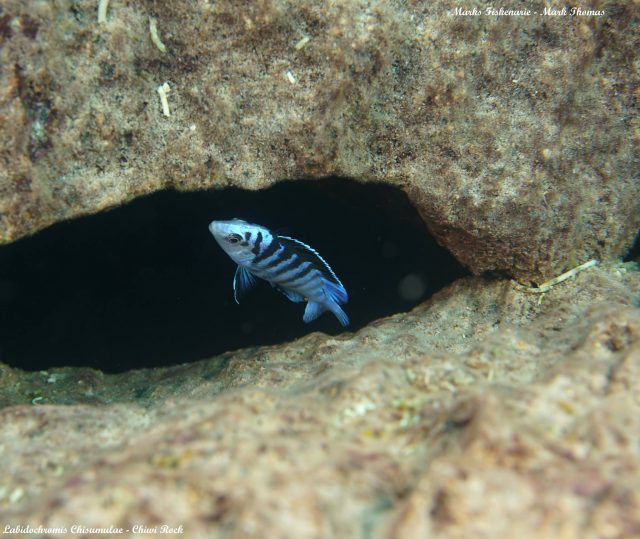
(146, 285)
(634, 253)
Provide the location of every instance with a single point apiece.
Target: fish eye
(234, 238)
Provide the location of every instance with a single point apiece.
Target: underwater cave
(634, 253)
(146, 285)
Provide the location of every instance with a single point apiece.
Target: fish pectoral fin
(293, 296)
(243, 281)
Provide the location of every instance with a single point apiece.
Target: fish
(289, 265)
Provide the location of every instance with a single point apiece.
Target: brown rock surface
(486, 412)
(516, 137)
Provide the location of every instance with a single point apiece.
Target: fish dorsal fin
(243, 281)
(308, 253)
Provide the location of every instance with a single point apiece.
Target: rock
(485, 412)
(515, 137)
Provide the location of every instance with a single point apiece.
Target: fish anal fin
(315, 309)
(312, 311)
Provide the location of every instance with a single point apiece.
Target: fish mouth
(215, 227)
(223, 228)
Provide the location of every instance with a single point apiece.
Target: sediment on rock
(514, 136)
(487, 411)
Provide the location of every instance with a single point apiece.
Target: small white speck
(290, 77)
(155, 38)
(103, 6)
(163, 90)
(300, 44)
(16, 495)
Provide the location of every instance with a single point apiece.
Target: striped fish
(289, 265)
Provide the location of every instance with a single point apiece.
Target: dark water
(146, 284)
(634, 253)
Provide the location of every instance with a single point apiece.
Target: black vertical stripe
(278, 260)
(300, 274)
(306, 253)
(256, 246)
(288, 267)
(271, 248)
(247, 235)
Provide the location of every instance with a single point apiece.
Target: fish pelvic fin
(243, 281)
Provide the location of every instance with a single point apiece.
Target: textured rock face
(485, 413)
(516, 137)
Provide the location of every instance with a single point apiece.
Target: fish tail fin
(340, 314)
(336, 292)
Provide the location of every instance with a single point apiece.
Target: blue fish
(290, 266)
